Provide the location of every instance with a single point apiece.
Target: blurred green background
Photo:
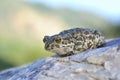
(24, 23)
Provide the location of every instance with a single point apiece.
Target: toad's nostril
(45, 38)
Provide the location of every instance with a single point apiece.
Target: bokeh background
(24, 23)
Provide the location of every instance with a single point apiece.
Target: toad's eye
(45, 38)
(57, 39)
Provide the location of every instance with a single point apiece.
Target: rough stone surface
(97, 64)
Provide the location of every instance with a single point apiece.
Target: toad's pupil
(58, 40)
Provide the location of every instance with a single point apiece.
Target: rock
(98, 64)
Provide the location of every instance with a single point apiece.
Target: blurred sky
(110, 9)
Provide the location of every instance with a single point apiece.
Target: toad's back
(74, 41)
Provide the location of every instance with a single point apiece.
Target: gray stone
(97, 64)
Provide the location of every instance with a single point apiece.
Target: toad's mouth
(66, 54)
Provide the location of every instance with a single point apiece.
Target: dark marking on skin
(57, 46)
(80, 38)
(89, 45)
(86, 32)
(66, 38)
(90, 37)
(52, 46)
(62, 42)
(47, 46)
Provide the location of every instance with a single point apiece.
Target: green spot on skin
(78, 49)
(79, 43)
(80, 38)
